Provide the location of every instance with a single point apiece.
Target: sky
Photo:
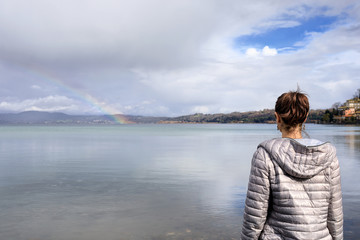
(172, 58)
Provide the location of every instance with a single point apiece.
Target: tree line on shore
(263, 116)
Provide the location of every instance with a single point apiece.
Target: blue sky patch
(287, 37)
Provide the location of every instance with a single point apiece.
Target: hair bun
(293, 108)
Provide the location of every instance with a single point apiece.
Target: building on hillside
(349, 112)
(353, 103)
(351, 109)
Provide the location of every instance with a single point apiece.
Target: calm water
(143, 181)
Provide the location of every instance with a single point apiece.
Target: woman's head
(292, 109)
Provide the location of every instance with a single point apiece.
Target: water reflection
(353, 141)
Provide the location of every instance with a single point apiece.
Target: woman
(294, 187)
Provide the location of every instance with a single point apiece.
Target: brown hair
(292, 108)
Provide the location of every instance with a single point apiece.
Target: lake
(134, 182)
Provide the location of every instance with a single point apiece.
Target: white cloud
(49, 103)
(266, 51)
(252, 52)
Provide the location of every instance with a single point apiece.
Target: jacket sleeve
(256, 204)
(335, 214)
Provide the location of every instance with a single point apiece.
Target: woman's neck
(292, 134)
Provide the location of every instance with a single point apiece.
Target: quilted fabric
(294, 192)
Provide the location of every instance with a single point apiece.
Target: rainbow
(85, 97)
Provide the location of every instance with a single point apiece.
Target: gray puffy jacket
(294, 192)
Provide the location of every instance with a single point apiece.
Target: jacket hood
(299, 160)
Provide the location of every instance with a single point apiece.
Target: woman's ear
(278, 119)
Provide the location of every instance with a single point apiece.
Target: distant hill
(37, 117)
